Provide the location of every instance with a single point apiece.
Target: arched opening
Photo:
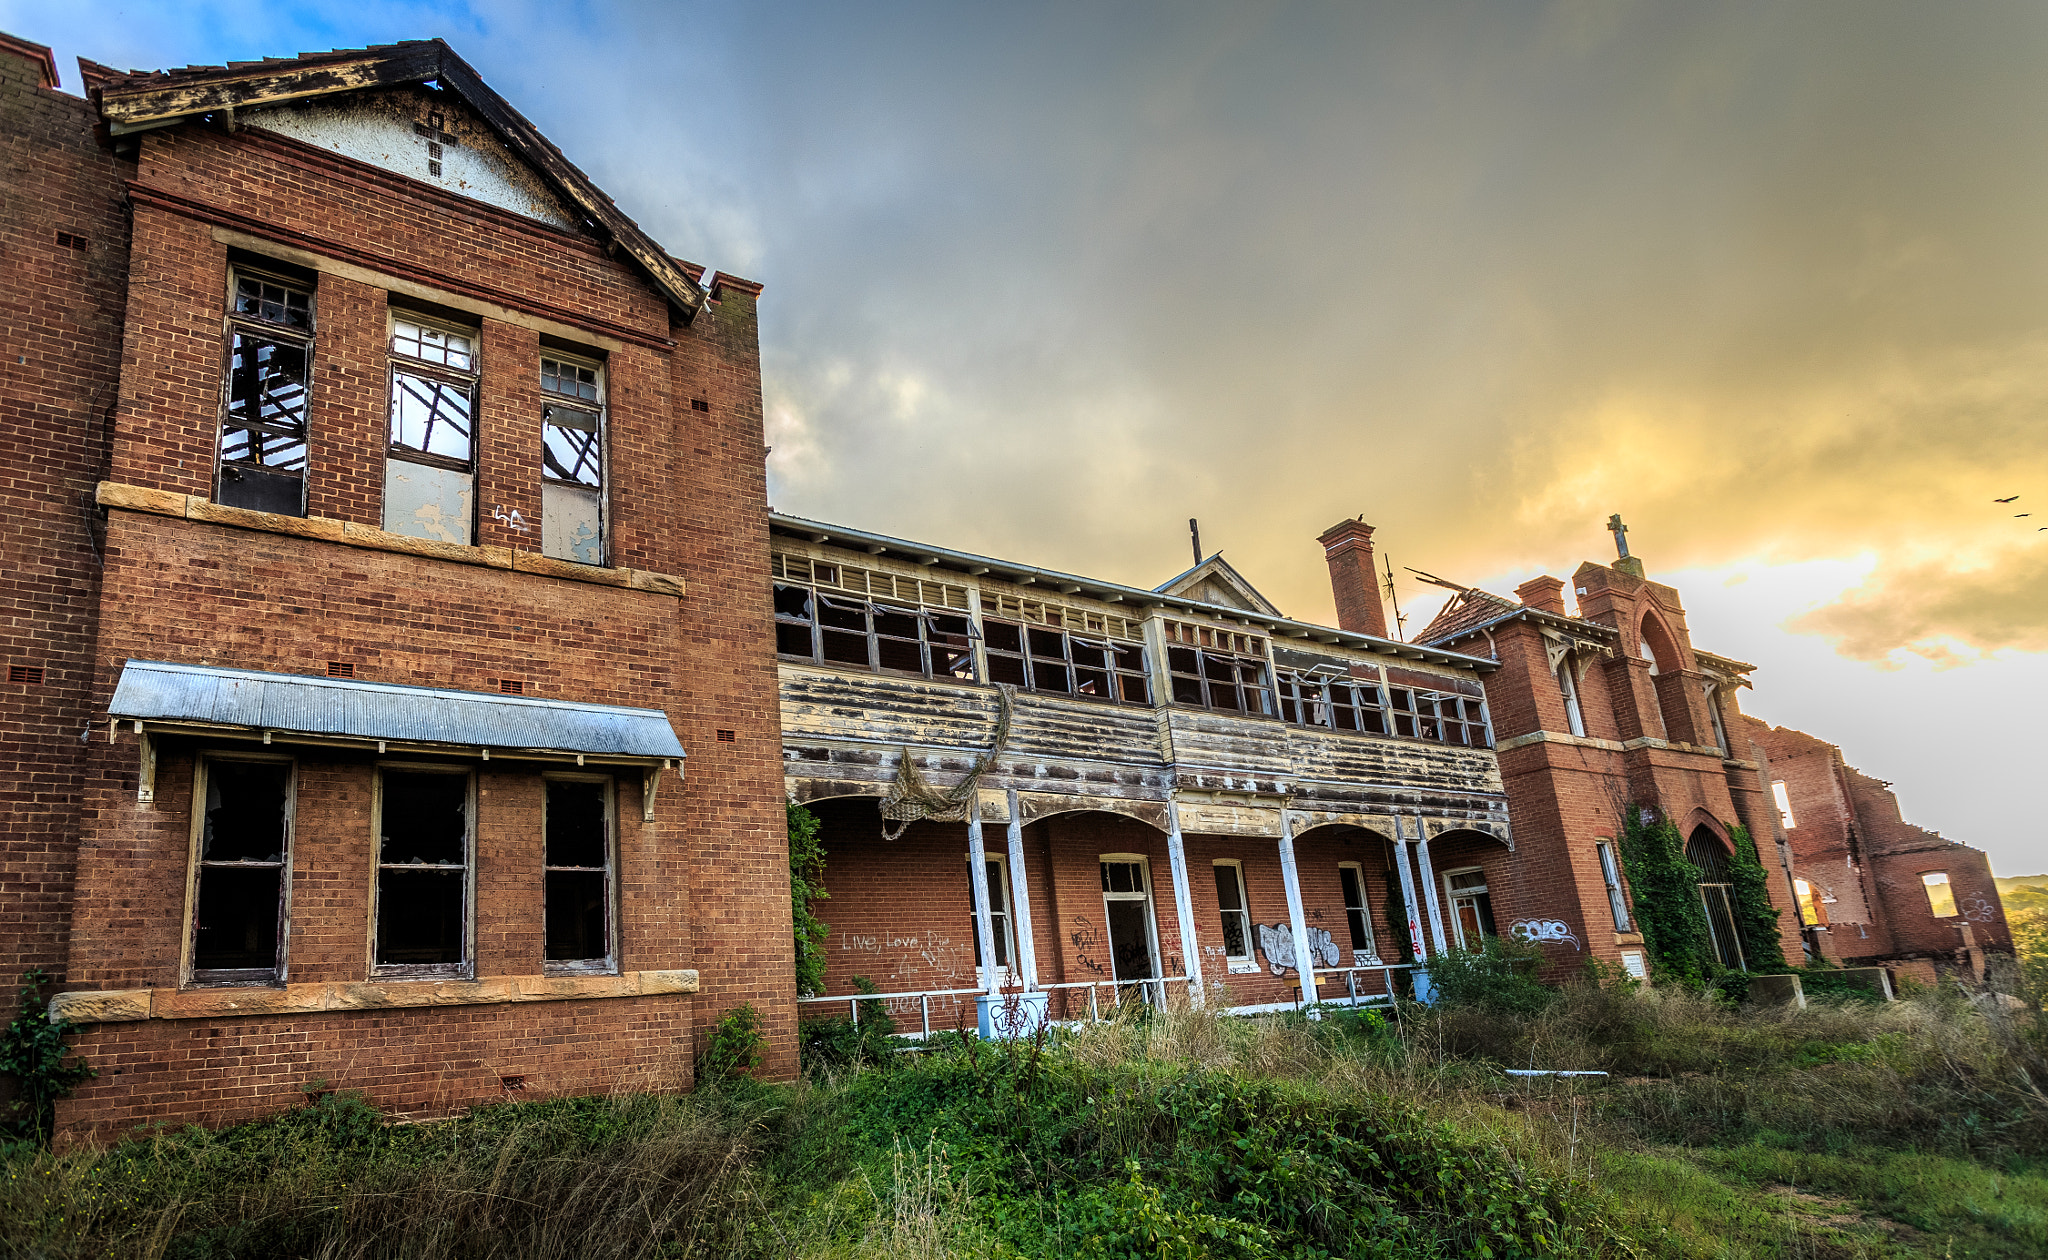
(1658, 647)
(1717, 894)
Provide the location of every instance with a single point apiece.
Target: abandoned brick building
(386, 524)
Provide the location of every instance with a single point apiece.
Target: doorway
(1133, 937)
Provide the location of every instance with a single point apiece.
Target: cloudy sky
(1045, 281)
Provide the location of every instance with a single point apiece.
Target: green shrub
(1666, 889)
(1499, 977)
(838, 1043)
(734, 1047)
(1756, 919)
(32, 1052)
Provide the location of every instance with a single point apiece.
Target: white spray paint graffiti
(1543, 932)
(1277, 944)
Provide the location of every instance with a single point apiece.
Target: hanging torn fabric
(910, 798)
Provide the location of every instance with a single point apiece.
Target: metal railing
(1153, 990)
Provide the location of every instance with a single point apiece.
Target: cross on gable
(1620, 534)
(436, 136)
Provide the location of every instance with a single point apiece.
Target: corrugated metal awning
(285, 705)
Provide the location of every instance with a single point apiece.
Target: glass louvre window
(999, 923)
(1042, 659)
(1439, 716)
(423, 854)
(1941, 896)
(1352, 877)
(1610, 873)
(430, 465)
(262, 452)
(1574, 717)
(833, 629)
(239, 891)
(1237, 919)
(1337, 703)
(578, 875)
(1471, 907)
(572, 461)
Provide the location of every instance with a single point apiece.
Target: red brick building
(386, 525)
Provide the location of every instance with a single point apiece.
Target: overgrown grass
(1845, 1130)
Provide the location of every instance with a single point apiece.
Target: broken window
(1811, 911)
(1610, 874)
(578, 878)
(1217, 669)
(1352, 876)
(572, 459)
(262, 464)
(430, 469)
(1440, 716)
(1784, 802)
(1237, 918)
(1941, 897)
(1040, 658)
(423, 855)
(240, 886)
(1471, 907)
(998, 872)
(1339, 702)
(836, 630)
(1574, 717)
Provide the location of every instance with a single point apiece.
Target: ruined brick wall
(63, 256)
(1901, 853)
(1825, 836)
(704, 886)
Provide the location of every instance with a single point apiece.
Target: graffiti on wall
(1277, 944)
(1543, 932)
(1086, 943)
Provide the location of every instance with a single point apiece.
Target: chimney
(1544, 594)
(1347, 545)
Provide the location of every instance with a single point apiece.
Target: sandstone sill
(106, 1006)
(192, 507)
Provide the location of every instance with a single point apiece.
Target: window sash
(1222, 681)
(1352, 878)
(1610, 872)
(558, 815)
(1237, 919)
(394, 875)
(217, 877)
(1339, 705)
(433, 417)
(997, 873)
(1056, 661)
(885, 638)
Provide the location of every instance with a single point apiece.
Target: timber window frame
(1055, 661)
(828, 628)
(1440, 716)
(1471, 906)
(400, 902)
(1568, 687)
(1610, 874)
(1812, 910)
(575, 454)
(435, 373)
(1230, 884)
(567, 874)
(1341, 703)
(1212, 668)
(260, 453)
(1358, 913)
(1002, 924)
(224, 869)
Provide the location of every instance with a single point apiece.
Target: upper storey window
(1424, 713)
(1218, 669)
(572, 459)
(262, 455)
(841, 615)
(1340, 703)
(430, 465)
(1568, 686)
(1043, 658)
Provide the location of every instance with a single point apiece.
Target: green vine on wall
(806, 885)
(32, 1052)
(1755, 917)
(1666, 890)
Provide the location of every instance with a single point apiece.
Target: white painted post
(1304, 961)
(1020, 891)
(1428, 876)
(1183, 904)
(1408, 902)
(984, 922)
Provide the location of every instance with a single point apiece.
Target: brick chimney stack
(1544, 594)
(1347, 545)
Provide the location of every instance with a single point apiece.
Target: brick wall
(60, 338)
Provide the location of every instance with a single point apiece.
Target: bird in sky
(2018, 515)
(2007, 499)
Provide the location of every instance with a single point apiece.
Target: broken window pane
(578, 874)
(431, 416)
(273, 302)
(570, 447)
(238, 904)
(423, 870)
(1230, 903)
